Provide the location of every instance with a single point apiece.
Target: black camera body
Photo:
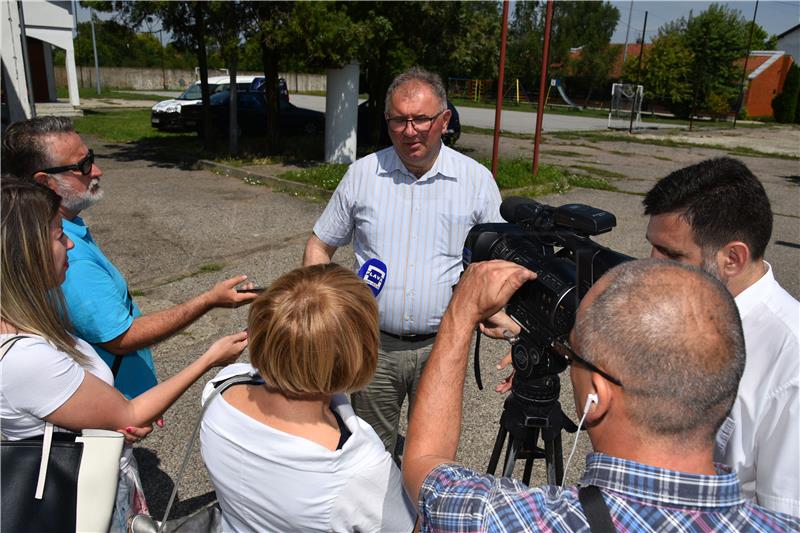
(545, 307)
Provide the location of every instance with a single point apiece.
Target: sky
(775, 16)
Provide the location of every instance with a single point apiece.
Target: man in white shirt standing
(716, 215)
(410, 206)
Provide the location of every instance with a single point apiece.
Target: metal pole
(627, 34)
(744, 69)
(542, 81)
(639, 69)
(501, 73)
(94, 47)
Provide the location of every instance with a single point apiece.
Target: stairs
(59, 109)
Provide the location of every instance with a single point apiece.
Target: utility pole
(639, 72)
(537, 138)
(501, 75)
(94, 47)
(744, 69)
(627, 34)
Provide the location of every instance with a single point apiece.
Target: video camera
(545, 307)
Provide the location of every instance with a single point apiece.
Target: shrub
(785, 104)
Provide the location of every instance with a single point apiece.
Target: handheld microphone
(373, 272)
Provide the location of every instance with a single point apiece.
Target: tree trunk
(202, 64)
(269, 60)
(233, 123)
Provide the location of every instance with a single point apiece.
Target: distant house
(789, 42)
(32, 30)
(766, 74)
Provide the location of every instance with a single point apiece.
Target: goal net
(626, 100)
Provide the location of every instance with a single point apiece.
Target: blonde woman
(46, 373)
(287, 453)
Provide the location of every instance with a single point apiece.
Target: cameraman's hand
(485, 288)
(505, 384)
(226, 350)
(499, 326)
(224, 294)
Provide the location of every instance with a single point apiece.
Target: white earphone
(591, 398)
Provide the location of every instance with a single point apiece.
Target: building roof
(760, 60)
(790, 30)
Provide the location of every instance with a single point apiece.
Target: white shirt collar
(755, 293)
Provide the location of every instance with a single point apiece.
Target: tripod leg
(554, 460)
(526, 475)
(498, 447)
(511, 456)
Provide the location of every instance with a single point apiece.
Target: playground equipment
(554, 82)
(626, 106)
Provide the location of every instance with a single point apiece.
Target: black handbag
(59, 481)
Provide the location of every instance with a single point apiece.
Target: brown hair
(32, 299)
(315, 331)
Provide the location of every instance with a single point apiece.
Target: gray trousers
(400, 365)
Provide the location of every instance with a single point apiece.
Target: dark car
(168, 115)
(449, 137)
(252, 115)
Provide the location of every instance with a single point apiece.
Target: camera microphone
(373, 272)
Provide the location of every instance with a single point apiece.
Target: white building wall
(14, 78)
(51, 22)
(790, 44)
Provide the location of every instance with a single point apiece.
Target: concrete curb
(272, 181)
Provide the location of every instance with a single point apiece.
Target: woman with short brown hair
(287, 453)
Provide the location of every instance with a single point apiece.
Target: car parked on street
(251, 115)
(167, 116)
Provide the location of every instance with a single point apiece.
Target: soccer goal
(626, 99)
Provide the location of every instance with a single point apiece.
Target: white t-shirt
(36, 379)
(268, 480)
(761, 437)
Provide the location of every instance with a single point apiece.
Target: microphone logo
(373, 272)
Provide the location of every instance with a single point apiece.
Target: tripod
(523, 422)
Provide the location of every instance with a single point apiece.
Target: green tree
(717, 38)
(784, 106)
(666, 70)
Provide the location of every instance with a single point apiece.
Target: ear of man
(733, 259)
(605, 399)
(45, 179)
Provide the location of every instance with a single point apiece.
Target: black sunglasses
(569, 354)
(84, 166)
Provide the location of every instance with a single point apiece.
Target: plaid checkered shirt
(640, 498)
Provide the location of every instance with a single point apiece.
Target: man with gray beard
(48, 150)
(716, 215)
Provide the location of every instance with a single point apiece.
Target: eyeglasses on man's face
(564, 349)
(84, 166)
(421, 124)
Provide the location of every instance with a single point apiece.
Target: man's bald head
(673, 336)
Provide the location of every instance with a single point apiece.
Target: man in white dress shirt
(716, 215)
(410, 206)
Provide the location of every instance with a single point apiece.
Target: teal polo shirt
(101, 309)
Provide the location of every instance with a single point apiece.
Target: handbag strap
(47, 440)
(596, 510)
(235, 380)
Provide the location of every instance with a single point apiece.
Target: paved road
(513, 121)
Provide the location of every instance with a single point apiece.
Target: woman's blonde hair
(31, 298)
(315, 331)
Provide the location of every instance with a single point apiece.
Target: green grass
(86, 93)
(124, 125)
(562, 153)
(211, 267)
(137, 292)
(325, 176)
(512, 174)
(596, 171)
